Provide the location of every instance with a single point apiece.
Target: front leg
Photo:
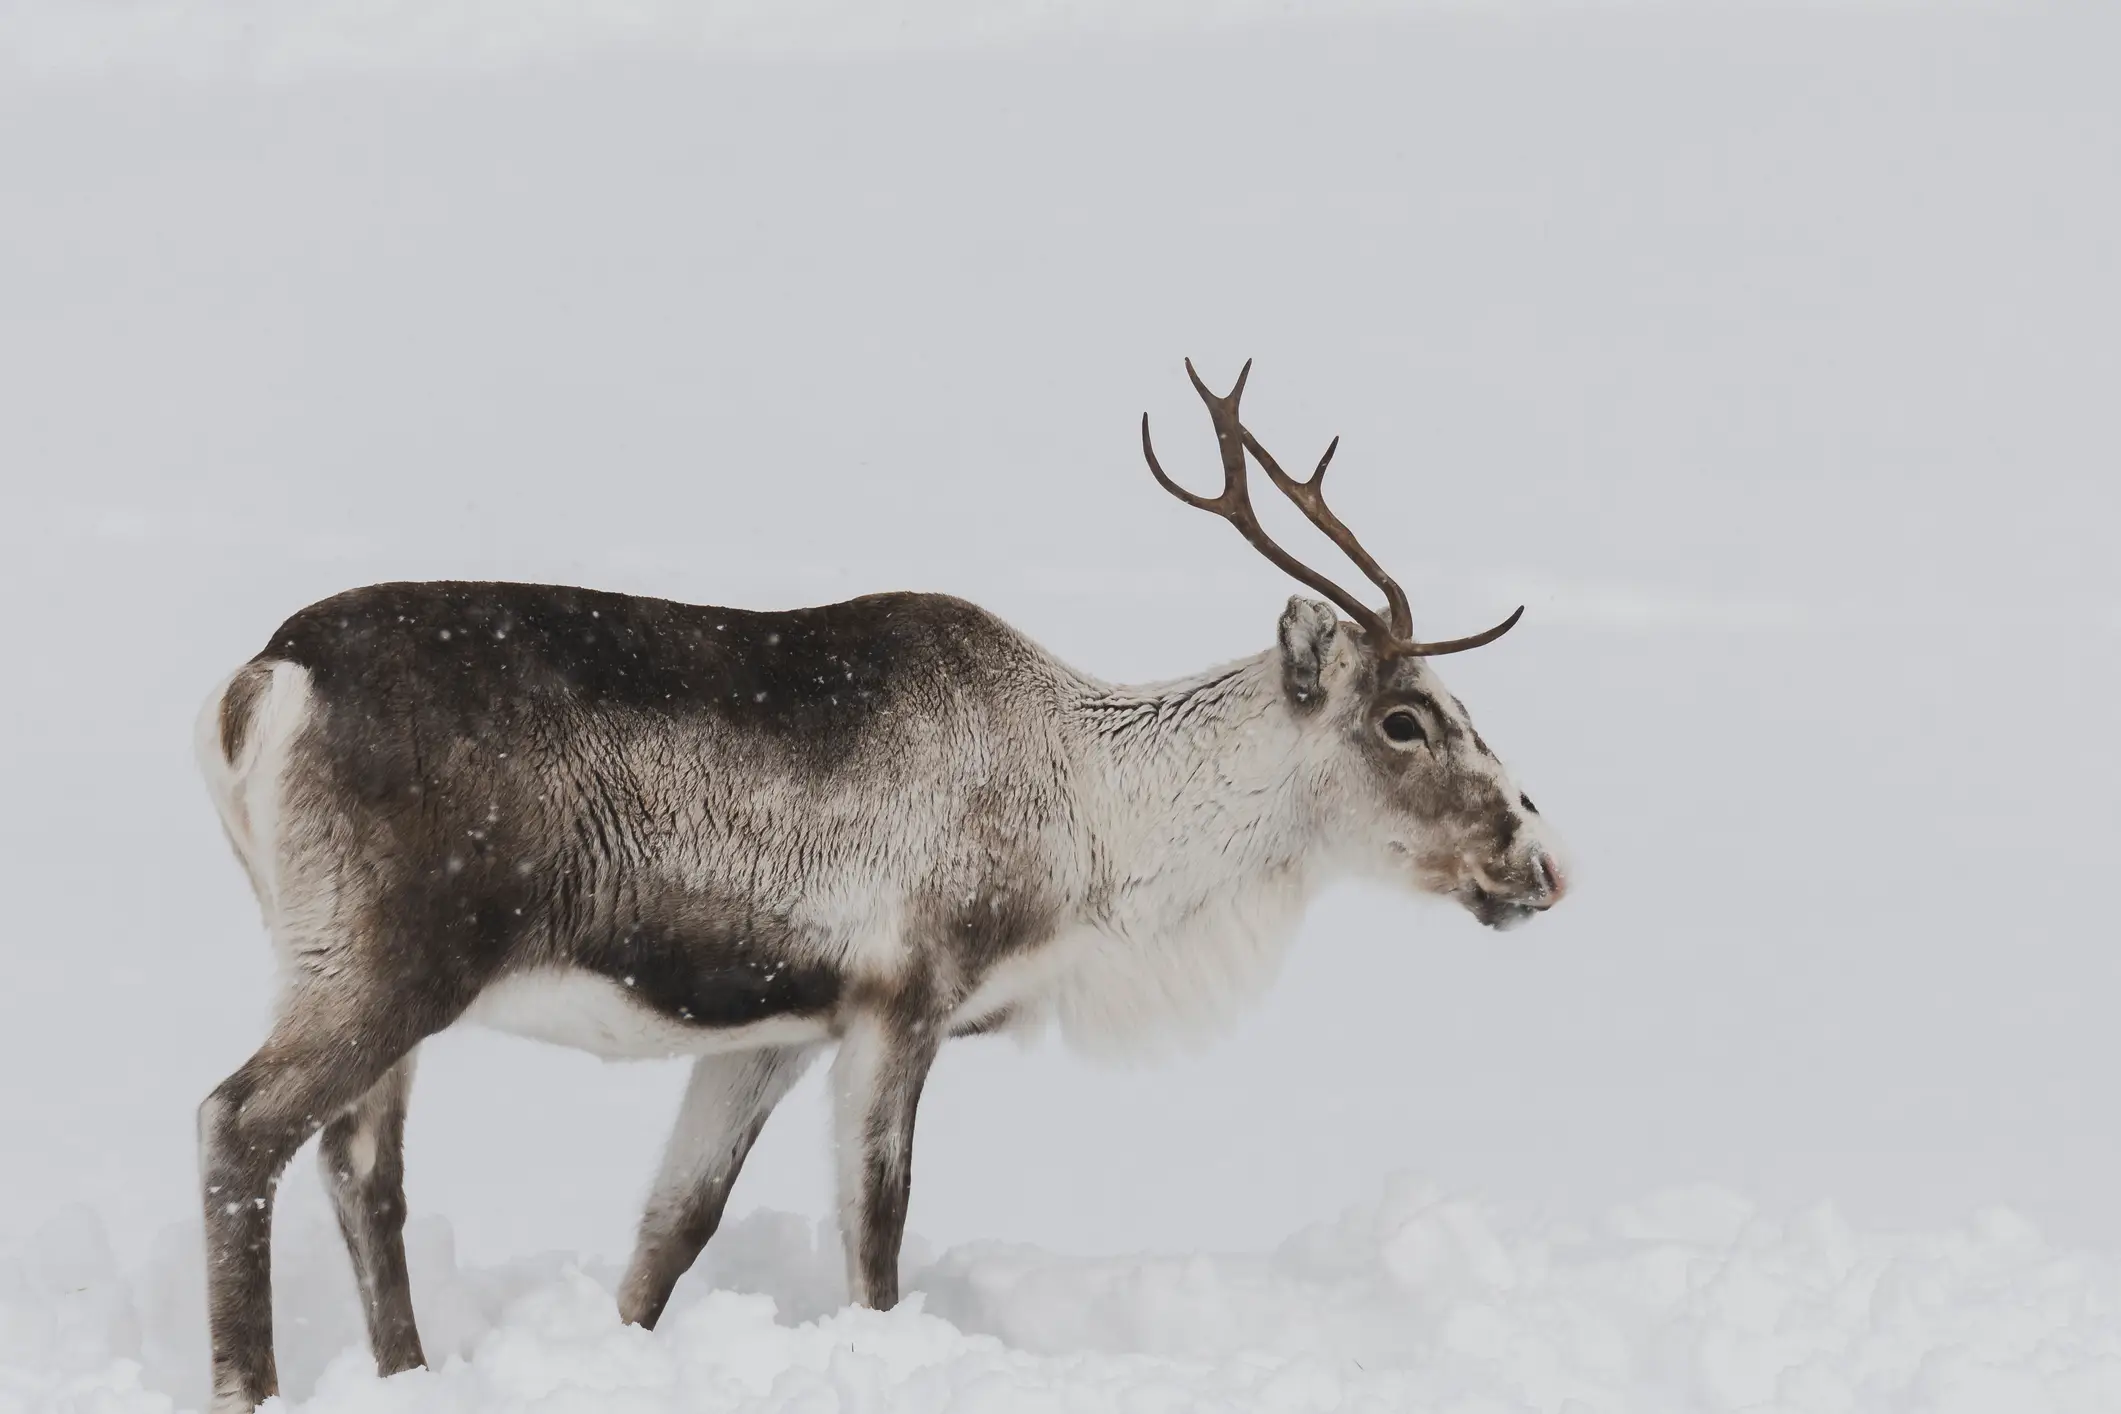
(876, 1086)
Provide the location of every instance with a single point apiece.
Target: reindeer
(655, 829)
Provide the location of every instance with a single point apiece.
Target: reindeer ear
(1307, 629)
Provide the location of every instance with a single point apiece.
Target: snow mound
(1690, 1301)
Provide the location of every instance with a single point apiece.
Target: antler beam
(1392, 631)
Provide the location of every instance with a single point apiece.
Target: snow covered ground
(1767, 354)
(1690, 1301)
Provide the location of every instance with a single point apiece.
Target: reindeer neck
(1199, 809)
(1197, 786)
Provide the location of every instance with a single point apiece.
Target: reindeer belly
(590, 1012)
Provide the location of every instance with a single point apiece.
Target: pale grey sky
(1769, 357)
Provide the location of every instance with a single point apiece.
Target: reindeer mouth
(1497, 912)
(1506, 910)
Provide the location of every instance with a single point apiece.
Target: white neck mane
(1203, 803)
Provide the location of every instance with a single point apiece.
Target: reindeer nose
(1550, 875)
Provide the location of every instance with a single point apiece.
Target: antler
(1393, 635)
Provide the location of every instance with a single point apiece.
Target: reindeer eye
(1403, 727)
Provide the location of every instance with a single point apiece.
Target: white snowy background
(1770, 355)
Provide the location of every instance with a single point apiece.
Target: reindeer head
(1415, 794)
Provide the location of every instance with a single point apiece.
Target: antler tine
(1199, 503)
(1412, 649)
(1237, 389)
(1235, 503)
(1394, 635)
(1235, 496)
(1310, 498)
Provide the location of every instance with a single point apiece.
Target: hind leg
(362, 1153)
(333, 1044)
(726, 1105)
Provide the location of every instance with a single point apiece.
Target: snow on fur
(1689, 1301)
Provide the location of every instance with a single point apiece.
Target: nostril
(1550, 875)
